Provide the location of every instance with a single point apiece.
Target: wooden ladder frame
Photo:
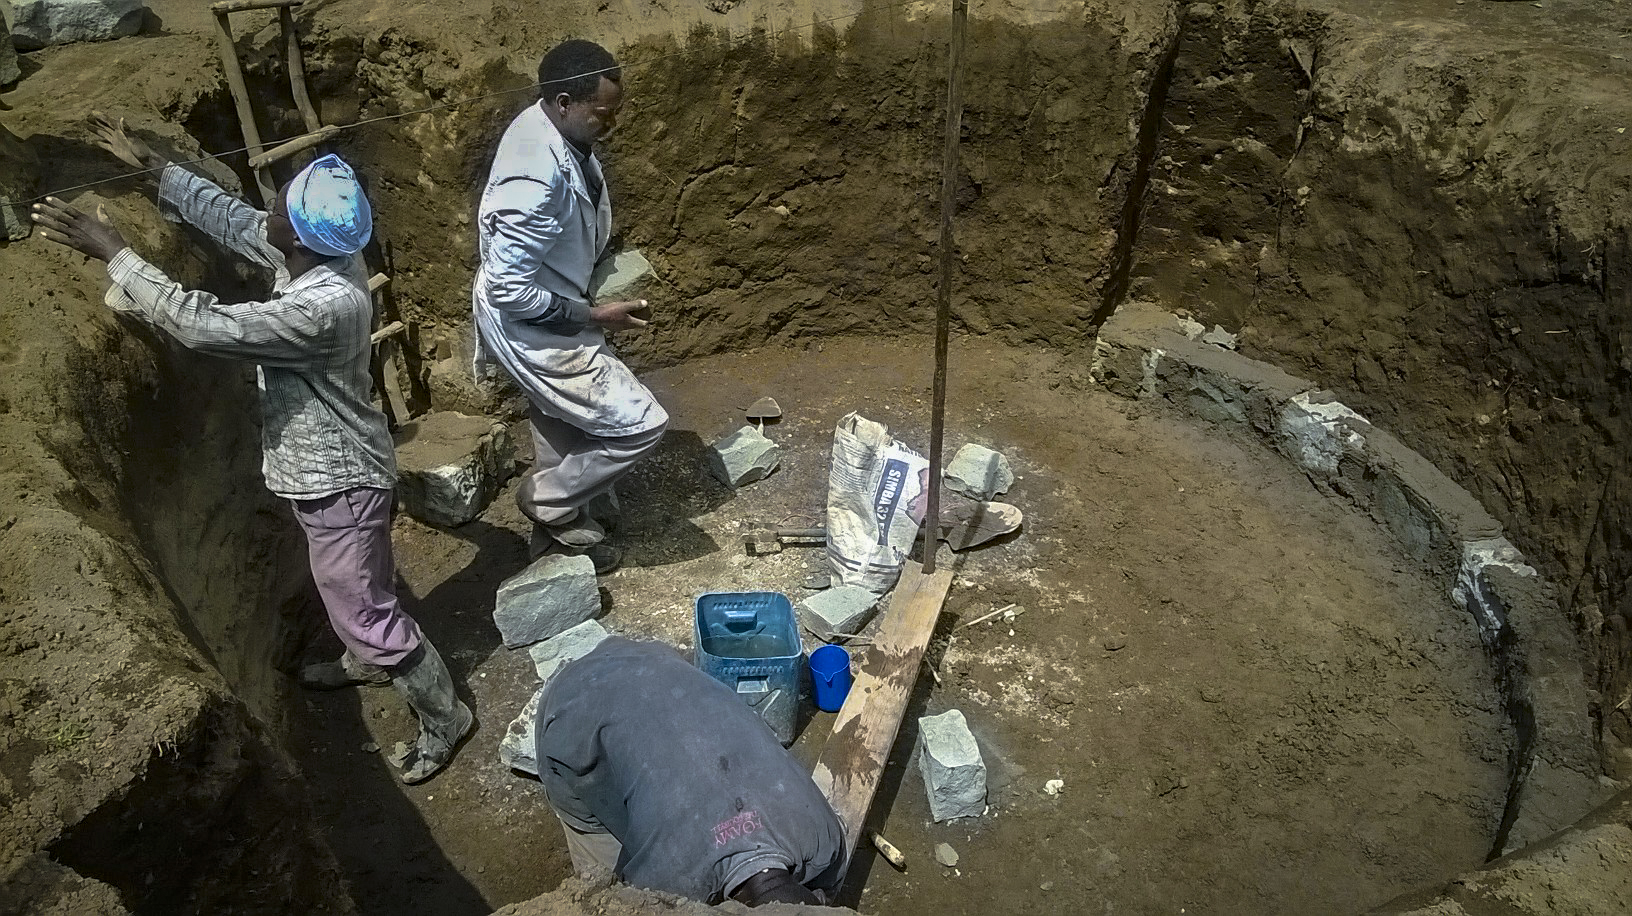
(383, 341)
(259, 156)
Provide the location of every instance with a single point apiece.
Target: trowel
(764, 409)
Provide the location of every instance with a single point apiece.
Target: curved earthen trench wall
(1408, 241)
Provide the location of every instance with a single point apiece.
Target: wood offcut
(852, 763)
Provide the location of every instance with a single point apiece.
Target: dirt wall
(145, 587)
(1429, 216)
(782, 176)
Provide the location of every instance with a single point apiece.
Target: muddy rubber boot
(349, 671)
(444, 720)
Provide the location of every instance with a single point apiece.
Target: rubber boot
(444, 720)
(349, 671)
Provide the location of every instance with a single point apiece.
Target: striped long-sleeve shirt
(320, 432)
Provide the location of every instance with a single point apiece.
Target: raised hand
(112, 136)
(89, 235)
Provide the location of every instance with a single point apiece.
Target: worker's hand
(112, 136)
(621, 316)
(90, 235)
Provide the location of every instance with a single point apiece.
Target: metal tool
(762, 541)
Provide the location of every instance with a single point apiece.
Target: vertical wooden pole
(240, 98)
(295, 63)
(943, 305)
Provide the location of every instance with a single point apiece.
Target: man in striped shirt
(326, 447)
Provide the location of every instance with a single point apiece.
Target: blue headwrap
(327, 207)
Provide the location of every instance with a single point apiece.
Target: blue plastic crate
(749, 641)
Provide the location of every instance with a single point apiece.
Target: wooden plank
(239, 6)
(240, 99)
(943, 304)
(852, 762)
(390, 330)
(377, 281)
(290, 147)
(295, 63)
(395, 401)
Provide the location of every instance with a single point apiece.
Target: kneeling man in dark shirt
(662, 775)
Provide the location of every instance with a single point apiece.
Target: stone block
(548, 598)
(10, 72)
(19, 168)
(38, 24)
(978, 472)
(743, 457)
(518, 750)
(1317, 433)
(550, 655)
(451, 466)
(621, 276)
(837, 611)
(949, 759)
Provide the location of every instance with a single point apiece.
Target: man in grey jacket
(666, 778)
(544, 220)
(325, 446)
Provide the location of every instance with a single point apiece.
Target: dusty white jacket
(540, 233)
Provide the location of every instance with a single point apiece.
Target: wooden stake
(295, 63)
(390, 330)
(943, 305)
(240, 99)
(289, 148)
(852, 762)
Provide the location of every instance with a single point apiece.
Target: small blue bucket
(830, 676)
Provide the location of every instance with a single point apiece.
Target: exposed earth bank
(1423, 206)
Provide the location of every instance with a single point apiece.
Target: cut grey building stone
(744, 457)
(39, 24)
(10, 71)
(451, 466)
(19, 169)
(620, 275)
(550, 655)
(518, 750)
(837, 611)
(550, 597)
(954, 773)
(978, 472)
(1219, 337)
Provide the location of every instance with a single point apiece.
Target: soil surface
(1254, 704)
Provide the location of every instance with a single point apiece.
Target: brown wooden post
(943, 304)
(296, 64)
(240, 99)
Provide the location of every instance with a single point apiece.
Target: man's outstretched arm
(290, 331)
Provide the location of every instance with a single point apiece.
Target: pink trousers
(349, 538)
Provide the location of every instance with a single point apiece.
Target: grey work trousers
(572, 467)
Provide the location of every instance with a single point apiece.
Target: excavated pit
(1259, 698)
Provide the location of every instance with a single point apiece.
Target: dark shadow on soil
(388, 852)
(660, 498)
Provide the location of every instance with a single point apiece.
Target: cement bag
(876, 489)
